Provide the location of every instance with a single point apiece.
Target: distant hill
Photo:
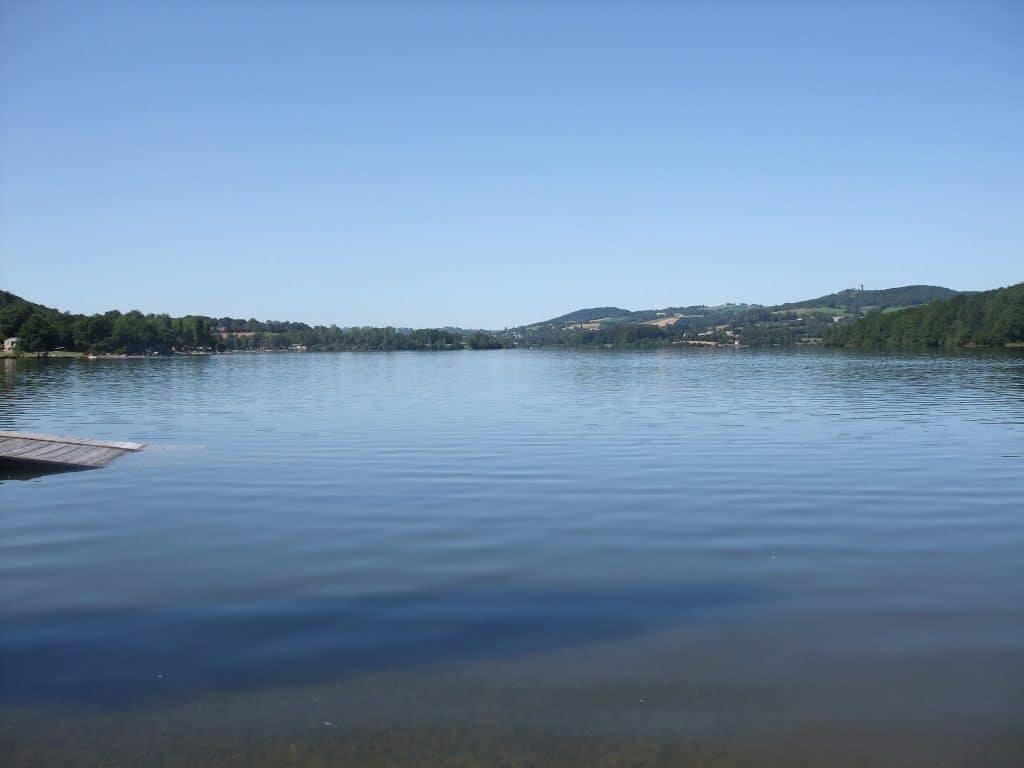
(851, 300)
(893, 317)
(589, 315)
(990, 318)
(13, 305)
(747, 324)
(854, 299)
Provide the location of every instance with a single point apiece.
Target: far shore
(64, 354)
(101, 356)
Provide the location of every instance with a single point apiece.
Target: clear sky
(493, 163)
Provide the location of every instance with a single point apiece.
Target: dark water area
(703, 557)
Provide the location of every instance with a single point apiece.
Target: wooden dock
(22, 447)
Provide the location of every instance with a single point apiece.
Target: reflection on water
(11, 469)
(335, 637)
(550, 558)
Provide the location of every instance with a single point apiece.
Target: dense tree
(38, 334)
(41, 329)
(991, 318)
(12, 317)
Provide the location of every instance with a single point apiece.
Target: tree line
(41, 329)
(986, 319)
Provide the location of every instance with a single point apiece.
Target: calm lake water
(518, 558)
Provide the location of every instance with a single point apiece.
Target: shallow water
(518, 557)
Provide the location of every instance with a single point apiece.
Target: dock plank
(95, 457)
(52, 452)
(57, 450)
(72, 440)
(42, 451)
(22, 446)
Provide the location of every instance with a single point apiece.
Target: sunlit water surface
(518, 558)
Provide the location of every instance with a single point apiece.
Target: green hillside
(854, 299)
(787, 324)
(991, 318)
(590, 315)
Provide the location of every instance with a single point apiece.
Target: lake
(518, 557)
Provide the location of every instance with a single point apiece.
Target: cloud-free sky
(495, 163)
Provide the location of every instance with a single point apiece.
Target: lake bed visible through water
(518, 557)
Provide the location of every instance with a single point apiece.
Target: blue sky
(488, 164)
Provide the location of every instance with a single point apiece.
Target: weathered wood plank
(95, 457)
(29, 450)
(73, 440)
(63, 451)
(45, 451)
(52, 452)
(22, 446)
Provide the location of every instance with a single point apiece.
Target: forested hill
(991, 318)
(854, 299)
(41, 329)
(592, 314)
(800, 322)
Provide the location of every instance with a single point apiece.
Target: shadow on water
(12, 469)
(111, 659)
